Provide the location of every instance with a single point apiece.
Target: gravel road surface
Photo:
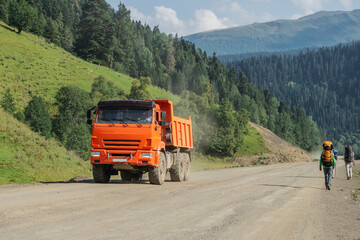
(284, 201)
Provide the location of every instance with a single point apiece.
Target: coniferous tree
(51, 32)
(230, 129)
(124, 57)
(95, 40)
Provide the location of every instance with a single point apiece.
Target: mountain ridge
(316, 30)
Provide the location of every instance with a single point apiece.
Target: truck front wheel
(101, 173)
(157, 175)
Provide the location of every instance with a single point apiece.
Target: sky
(185, 17)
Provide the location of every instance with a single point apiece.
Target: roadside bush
(38, 116)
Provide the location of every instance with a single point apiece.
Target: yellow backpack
(327, 157)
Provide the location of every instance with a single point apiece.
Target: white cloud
(165, 18)
(347, 4)
(168, 20)
(207, 20)
(139, 16)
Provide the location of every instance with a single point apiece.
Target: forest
(221, 100)
(324, 81)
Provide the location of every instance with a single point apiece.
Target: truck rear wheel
(126, 175)
(186, 158)
(101, 173)
(177, 171)
(157, 175)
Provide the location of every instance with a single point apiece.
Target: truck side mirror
(163, 116)
(88, 114)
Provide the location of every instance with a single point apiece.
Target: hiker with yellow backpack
(328, 162)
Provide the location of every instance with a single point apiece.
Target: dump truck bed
(181, 132)
(178, 132)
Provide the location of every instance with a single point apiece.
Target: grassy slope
(253, 144)
(30, 65)
(26, 156)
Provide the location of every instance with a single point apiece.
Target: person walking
(336, 158)
(349, 161)
(327, 162)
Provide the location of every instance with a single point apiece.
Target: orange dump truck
(135, 137)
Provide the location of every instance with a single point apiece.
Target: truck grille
(121, 144)
(120, 155)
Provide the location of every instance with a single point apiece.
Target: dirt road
(284, 201)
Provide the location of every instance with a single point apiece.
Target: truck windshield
(124, 116)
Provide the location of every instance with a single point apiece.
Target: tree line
(220, 101)
(326, 82)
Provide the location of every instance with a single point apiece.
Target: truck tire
(126, 175)
(157, 175)
(101, 173)
(187, 166)
(177, 171)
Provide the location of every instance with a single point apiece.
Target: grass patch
(201, 162)
(253, 144)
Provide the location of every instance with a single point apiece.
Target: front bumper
(132, 158)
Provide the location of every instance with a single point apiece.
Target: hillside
(29, 65)
(316, 30)
(27, 157)
(279, 150)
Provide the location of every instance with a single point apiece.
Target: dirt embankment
(280, 150)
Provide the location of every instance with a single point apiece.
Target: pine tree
(51, 32)
(95, 40)
(124, 57)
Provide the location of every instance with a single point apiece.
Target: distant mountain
(325, 82)
(316, 30)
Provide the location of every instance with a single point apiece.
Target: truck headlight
(95, 154)
(146, 155)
